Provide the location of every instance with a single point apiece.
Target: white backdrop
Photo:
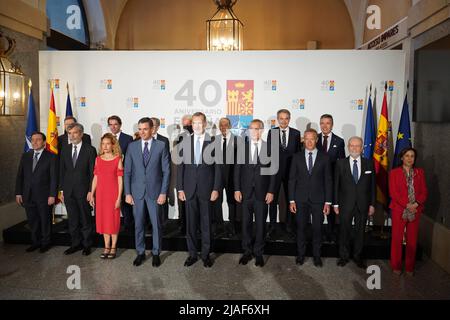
(169, 84)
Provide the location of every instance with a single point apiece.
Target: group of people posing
(132, 175)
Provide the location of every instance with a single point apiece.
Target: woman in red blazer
(408, 192)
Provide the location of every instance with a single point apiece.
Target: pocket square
(367, 172)
(334, 146)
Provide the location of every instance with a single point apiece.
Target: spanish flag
(52, 130)
(380, 154)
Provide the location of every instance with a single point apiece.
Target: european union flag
(31, 122)
(404, 133)
(369, 134)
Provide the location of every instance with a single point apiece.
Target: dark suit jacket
(63, 141)
(293, 146)
(124, 140)
(198, 180)
(336, 150)
(166, 142)
(227, 168)
(37, 186)
(77, 181)
(317, 187)
(398, 190)
(248, 178)
(347, 193)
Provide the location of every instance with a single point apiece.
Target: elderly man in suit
(36, 188)
(115, 126)
(334, 147)
(147, 174)
(355, 193)
(198, 184)
(76, 173)
(310, 193)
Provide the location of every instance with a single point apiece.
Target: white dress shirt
(287, 136)
(78, 148)
(117, 135)
(202, 139)
(358, 164)
(330, 135)
(228, 137)
(252, 147)
(40, 151)
(314, 156)
(143, 144)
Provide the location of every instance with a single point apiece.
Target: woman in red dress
(408, 192)
(106, 193)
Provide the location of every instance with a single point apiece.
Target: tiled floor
(44, 276)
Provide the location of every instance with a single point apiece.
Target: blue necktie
(146, 154)
(355, 171)
(197, 151)
(310, 163)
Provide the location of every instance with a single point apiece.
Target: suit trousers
(259, 209)
(80, 221)
(154, 213)
(345, 232)
(40, 222)
(304, 211)
(198, 214)
(274, 204)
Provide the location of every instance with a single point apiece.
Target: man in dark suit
(334, 146)
(226, 156)
(310, 193)
(289, 142)
(198, 184)
(63, 140)
(157, 136)
(36, 189)
(255, 188)
(186, 132)
(76, 173)
(355, 194)
(115, 126)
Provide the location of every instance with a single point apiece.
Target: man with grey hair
(354, 197)
(76, 172)
(63, 140)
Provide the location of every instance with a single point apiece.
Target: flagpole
(382, 234)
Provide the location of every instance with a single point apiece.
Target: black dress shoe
(86, 251)
(156, 261)
(44, 248)
(300, 260)
(207, 263)
(72, 250)
(245, 259)
(342, 262)
(259, 261)
(190, 261)
(318, 262)
(360, 263)
(32, 248)
(139, 260)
